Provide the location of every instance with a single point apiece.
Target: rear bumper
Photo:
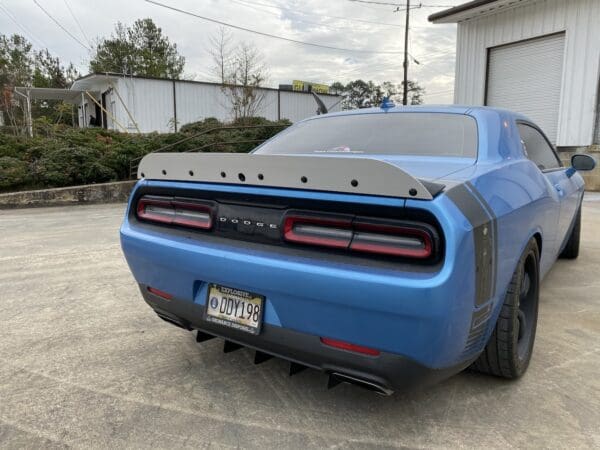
(425, 315)
(386, 372)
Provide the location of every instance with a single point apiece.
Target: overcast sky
(326, 22)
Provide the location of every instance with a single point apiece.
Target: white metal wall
(295, 106)
(151, 103)
(526, 77)
(578, 18)
(597, 133)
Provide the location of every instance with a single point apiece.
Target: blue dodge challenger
(389, 247)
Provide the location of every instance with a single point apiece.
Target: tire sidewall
(520, 364)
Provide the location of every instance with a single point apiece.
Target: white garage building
(142, 104)
(538, 57)
(163, 105)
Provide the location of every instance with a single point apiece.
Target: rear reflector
(162, 294)
(350, 347)
(391, 238)
(175, 212)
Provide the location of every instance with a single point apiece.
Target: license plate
(234, 308)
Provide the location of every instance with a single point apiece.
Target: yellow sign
(307, 86)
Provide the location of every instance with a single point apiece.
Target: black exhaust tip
(336, 378)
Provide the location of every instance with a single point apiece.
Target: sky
(372, 35)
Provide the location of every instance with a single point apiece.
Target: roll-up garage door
(526, 77)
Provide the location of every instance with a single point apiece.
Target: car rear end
(324, 247)
(363, 287)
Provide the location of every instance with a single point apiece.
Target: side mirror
(581, 162)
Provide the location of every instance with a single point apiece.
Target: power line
(350, 19)
(377, 3)
(273, 36)
(251, 5)
(22, 27)
(399, 5)
(433, 94)
(78, 23)
(60, 25)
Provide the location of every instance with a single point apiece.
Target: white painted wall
(579, 19)
(150, 102)
(152, 105)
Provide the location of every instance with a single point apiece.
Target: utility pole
(405, 93)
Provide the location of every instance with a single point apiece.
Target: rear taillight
(343, 345)
(330, 232)
(175, 212)
(391, 238)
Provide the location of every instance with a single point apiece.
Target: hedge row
(62, 156)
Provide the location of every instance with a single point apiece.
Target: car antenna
(322, 109)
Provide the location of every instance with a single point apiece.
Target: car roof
(448, 109)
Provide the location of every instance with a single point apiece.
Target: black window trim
(554, 152)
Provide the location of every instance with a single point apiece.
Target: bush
(72, 166)
(59, 155)
(13, 172)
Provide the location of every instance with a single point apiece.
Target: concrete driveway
(85, 363)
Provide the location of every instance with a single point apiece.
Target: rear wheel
(571, 250)
(508, 352)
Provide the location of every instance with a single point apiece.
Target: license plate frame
(223, 304)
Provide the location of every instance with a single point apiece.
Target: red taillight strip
(350, 347)
(361, 243)
(359, 236)
(203, 221)
(154, 217)
(160, 293)
(341, 224)
(176, 212)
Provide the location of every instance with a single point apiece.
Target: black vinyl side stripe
(482, 219)
(494, 230)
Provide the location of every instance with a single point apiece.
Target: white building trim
(497, 23)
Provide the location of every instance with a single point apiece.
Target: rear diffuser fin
(261, 357)
(333, 381)
(201, 336)
(296, 368)
(229, 346)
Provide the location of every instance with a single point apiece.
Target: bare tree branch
(241, 72)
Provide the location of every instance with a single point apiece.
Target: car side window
(537, 148)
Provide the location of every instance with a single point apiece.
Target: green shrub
(13, 172)
(72, 166)
(59, 155)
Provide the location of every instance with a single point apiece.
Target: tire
(571, 250)
(508, 352)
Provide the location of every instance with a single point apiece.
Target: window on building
(537, 148)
